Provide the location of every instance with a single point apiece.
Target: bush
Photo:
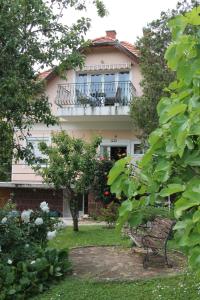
(110, 214)
(100, 187)
(27, 266)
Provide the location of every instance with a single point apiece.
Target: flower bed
(27, 265)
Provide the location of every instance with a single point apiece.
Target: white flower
(0, 248)
(33, 262)
(9, 261)
(44, 207)
(60, 225)
(51, 234)
(4, 220)
(39, 221)
(27, 246)
(25, 215)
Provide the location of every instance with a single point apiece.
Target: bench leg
(166, 258)
(146, 260)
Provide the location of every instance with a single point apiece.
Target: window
(35, 141)
(81, 81)
(138, 149)
(113, 152)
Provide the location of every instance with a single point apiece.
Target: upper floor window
(35, 142)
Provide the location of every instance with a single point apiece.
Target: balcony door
(123, 87)
(109, 85)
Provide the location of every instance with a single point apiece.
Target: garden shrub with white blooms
(27, 265)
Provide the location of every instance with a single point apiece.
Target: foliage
(109, 214)
(100, 187)
(6, 146)
(156, 74)
(170, 167)
(27, 266)
(34, 36)
(70, 164)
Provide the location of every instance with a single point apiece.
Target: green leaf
(196, 216)
(183, 204)
(118, 168)
(172, 189)
(125, 207)
(171, 111)
(177, 26)
(155, 136)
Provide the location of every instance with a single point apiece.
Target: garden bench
(153, 237)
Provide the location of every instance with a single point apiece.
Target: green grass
(182, 287)
(88, 235)
(173, 288)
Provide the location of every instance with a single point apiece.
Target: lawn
(88, 235)
(182, 287)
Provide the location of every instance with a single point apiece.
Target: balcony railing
(95, 94)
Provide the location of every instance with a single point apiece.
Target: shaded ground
(117, 263)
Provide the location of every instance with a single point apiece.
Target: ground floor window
(113, 152)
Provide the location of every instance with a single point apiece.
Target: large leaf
(173, 110)
(118, 168)
(172, 189)
(183, 204)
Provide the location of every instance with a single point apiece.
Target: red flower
(106, 193)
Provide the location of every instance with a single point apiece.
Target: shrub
(100, 187)
(26, 264)
(110, 213)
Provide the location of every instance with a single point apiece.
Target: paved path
(116, 263)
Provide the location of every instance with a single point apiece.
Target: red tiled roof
(103, 39)
(128, 46)
(44, 74)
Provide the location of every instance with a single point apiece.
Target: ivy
(170, 167)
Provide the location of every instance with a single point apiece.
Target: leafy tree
(6, 146)
(156, 74)
(33, 37)
(170, 167)
(70, 165)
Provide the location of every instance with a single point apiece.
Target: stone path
(116, 263)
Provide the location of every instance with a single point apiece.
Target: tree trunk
(74, 210)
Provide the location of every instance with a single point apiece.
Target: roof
(108, 40)
(124, 46)
(44, 74)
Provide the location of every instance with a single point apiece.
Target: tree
(156, 74)
(70, 164)
(33, 38)
(170, 167)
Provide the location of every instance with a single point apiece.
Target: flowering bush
(100, 187)
(26, 264)
(109, 214)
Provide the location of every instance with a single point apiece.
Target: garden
(41, 259)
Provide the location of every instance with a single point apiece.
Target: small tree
(70, 165)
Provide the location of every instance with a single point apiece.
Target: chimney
(111, 34)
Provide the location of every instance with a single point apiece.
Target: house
(91, 101)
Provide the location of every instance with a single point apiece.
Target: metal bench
(153, 237)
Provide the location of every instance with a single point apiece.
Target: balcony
(94, 99)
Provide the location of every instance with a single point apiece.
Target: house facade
(91, 101)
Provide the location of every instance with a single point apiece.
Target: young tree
(33, 37)
(171, 165)
(70, 164)
(156, 74)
